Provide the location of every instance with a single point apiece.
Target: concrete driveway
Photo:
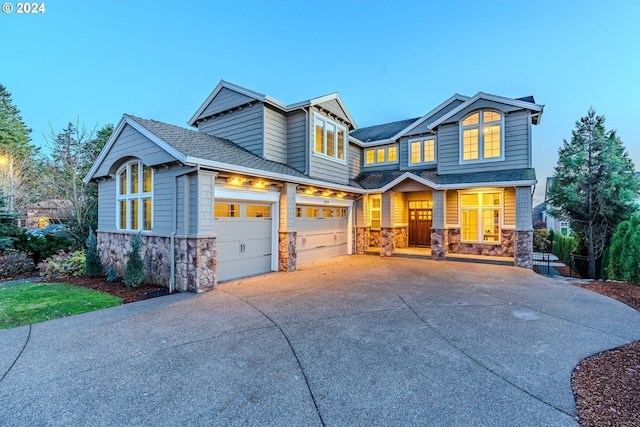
(348, 341)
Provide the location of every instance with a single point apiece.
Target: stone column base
(387, 243)
(523, 256)
(362, 240)
(438, 244)
(287, 252)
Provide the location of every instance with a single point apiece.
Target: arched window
(482, 136)
(134, 197)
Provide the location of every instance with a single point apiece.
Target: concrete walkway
(348, 341)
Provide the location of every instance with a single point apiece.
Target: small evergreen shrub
(63, 264)
(93, 266)
(41, 248)
(541, 241)
(112, 274)
(15, 263)
(134, 271)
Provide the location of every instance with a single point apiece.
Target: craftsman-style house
(263, 186)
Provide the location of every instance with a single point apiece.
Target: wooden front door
(420, 221)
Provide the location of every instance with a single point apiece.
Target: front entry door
(420, 221)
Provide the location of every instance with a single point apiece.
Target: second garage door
(322, 232)
(244, 241)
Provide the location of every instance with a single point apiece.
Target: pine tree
(93, 265)
(594, 185)
(134, 271)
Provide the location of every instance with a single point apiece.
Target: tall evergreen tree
(594, 185)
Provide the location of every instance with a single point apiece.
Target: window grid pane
(491, 141)
(226, 210)
(258, 211)
(380, 155)
(370, 157)
(327, 213)
(320, 136)
(146, 214)
(469, 224)
(491, 225)
(123, 214)
(123, 182)
(429, 150)
(134, 178)
(491, 116)
(392, 154)
(146, 179)
(341, 144)
(312, 212)
(415, 152)
(133, 203)
(471, 120)
(331, 140)
(470, 143)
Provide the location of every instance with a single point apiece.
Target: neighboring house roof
(538, 211)
(51, 204)
(380, 132)
(270, 101)
(197, 148)
(385, 180)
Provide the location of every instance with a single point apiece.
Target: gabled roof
(197, 148)
(520, 102)
(270, 101)
(388, 179)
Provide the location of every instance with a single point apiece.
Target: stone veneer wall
(287, 253)
(438, 244)
(401, 237)
(524, 249)
(195, 259)
(505, 249)
(374, 238)
(387, 243)
(362, 239)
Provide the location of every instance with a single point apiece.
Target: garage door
(322, 232)
(244, 238)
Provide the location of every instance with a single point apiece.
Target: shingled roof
(375, 180)
(207, 147)
(380, 132)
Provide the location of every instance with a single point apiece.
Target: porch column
(387, 244)
(360, 229)
(523, 256)
(438, 232)
(287, 235)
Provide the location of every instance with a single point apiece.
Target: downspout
(309, 144)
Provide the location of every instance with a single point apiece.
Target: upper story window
(380, 155)
(482, 136)
(135, 197)
(422, 151)
(330, 138)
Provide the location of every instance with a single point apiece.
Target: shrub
(93, 266)
(541, 241)
(14, 263)
(63, 264)
(112, 274)
(41, 248)
(134, 271)
(624, 252)
(563, 246)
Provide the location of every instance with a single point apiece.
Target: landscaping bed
(118, 289)
(606, 386)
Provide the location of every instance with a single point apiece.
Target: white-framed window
(329, 138)
(134, 197)
(482, 136)
(481, 216)
(381, 155)
(375, 211)
(422, 151)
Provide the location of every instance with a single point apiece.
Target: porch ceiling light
(327, 193)
(260, 184)
(236, 181)
(310, 190)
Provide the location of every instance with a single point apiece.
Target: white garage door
(244, 238)
(322, 232)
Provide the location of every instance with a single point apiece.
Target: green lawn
(28, 303)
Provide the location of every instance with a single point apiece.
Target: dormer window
(329, 138)
(422, 151)
(381, 155)
(481, 137)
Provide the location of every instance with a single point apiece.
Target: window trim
(336, 140)
(480, 208)
(422, 162)
(128, 198)
(386, 161)
(480, 125)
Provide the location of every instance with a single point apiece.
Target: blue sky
(388, 60)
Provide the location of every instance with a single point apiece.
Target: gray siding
(132, 144)
(297, 140)
(516, 153)
(107, 205)
(323, 168)
(224, 100)
(424, 127)
(275, 136)
(335, 108)
(244, 127)
(163, 183)
(355, 160)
